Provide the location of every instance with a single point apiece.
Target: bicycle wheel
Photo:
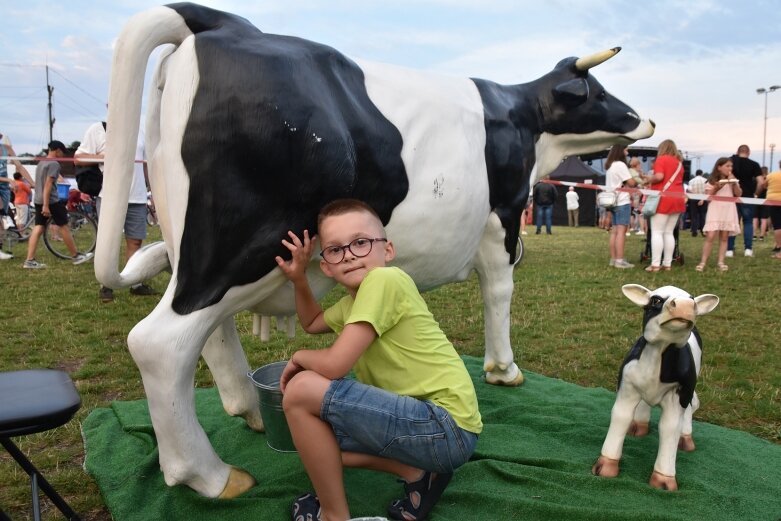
(82, 228)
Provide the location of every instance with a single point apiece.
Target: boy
(46, 175)
(412, 411)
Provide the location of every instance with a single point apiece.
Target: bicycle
(83, 224)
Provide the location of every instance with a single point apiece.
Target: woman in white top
(618, 176)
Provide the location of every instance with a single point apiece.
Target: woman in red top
(665, 220)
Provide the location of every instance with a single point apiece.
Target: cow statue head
(579, 116)
(669, 312)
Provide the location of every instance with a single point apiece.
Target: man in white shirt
(697, 208)
(93, 147)
(573, 206)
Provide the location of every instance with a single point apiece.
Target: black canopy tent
(574, 170)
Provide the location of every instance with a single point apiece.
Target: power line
(103, 102)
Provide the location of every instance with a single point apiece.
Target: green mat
(533, 462)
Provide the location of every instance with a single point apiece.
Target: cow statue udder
(249, 134)
(660, 369)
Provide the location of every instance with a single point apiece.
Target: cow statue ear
(636, 293)
(571, 93)
(706, 303)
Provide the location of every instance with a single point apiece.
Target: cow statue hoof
(239, 481)
(662, 482)
(605, 467)
(686, 443)
(638, 429)
(512, 376)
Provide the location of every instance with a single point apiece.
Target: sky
(692, 66)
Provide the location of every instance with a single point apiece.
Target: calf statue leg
(620, 420)
(228, 364)
(686, 442)
(496, 284)
(670, 422)
(641, 420)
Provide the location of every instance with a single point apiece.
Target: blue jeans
(745, 212)
(544, 212)
(371, 420)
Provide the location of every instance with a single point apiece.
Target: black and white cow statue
(660, 369)
(249, 134)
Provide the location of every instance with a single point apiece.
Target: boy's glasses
(360, 247)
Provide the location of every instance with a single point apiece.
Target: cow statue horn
(585, 63)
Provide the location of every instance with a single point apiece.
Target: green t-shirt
(411, 356)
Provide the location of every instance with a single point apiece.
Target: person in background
(697, 208)
(23, 193)
(636, 221)
(525, 214)
(618, 176)
(666, 167)
(93, 147)
(573, 206)
(722, 217)
(51, 207)
(761, 214)
(7, 150)
(746, 171)
(773, 193)
(544, 196)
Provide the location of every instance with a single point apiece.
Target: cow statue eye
(602, 96)
(656, 301)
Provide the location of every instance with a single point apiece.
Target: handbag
(607, 200)
(652, 201)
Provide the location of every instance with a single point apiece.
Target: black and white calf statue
(249, 134)
(660, 369)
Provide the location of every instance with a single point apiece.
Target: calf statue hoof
(239, 481)
(512, 376)
(605, 467)
(663, 482)
(686, 443)
(637, 429)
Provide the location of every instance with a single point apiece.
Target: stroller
(645, 255)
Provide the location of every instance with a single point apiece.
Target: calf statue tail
(141, 35)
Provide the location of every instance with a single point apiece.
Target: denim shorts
(371, 420)
(621, 214)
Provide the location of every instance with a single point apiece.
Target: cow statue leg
(670, 424)
(686, 443)
(640, 423)
(620, 419)
(496, 284)
(228, 364)
(166, 347)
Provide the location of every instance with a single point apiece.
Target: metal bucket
(266, 379)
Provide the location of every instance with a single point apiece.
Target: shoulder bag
(652, 201)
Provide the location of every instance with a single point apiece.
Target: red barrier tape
(58, 159)
(680, 195)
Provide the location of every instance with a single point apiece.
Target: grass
(569, 320)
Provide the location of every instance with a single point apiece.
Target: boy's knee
(306, 389)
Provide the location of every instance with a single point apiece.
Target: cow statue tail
(141, 35)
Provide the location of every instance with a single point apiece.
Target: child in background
(722, 216)
(412, 397)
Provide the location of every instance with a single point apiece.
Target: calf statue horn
(585, 63)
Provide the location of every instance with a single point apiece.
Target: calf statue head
(669, 312)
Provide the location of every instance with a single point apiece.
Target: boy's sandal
(422, 495)
(699, 267)
(306, 508)
(722, 267)
(667, 268)
(652, 269)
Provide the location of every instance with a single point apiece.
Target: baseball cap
(57, 145)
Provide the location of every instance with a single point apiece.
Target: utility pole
(50, 90)
(772, 147)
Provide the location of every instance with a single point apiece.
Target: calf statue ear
(638, 294)
(571, 93)
(706, 303)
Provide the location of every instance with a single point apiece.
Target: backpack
(89, 178)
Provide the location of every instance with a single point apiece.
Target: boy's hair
(343, 206)
(57, 145)
(17, 176)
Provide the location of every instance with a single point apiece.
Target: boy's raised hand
(301, 251)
